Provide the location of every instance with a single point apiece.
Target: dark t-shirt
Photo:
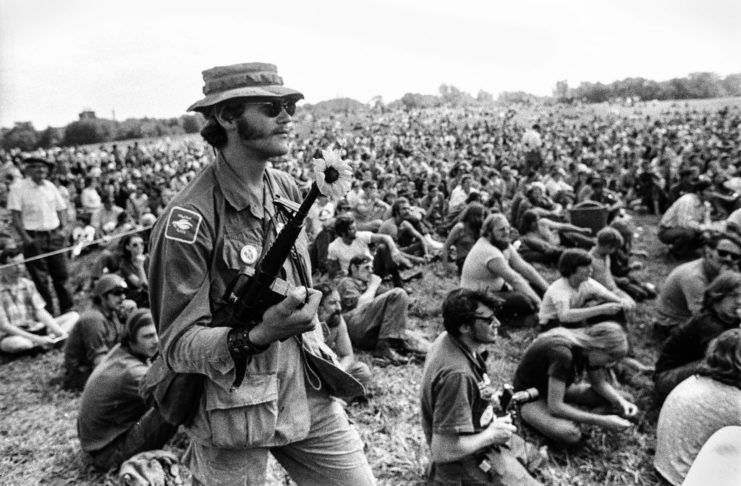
(549, 356)
(111, 404)
(690, 340)
(451, 401)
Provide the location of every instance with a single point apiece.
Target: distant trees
(89, 129)
(416, 100)
(96, 130)
(694, 86)
(23, 136)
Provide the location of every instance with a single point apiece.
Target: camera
(510, 400)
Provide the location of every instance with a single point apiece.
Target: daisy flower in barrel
(333, 175)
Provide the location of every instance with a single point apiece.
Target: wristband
(240, 346)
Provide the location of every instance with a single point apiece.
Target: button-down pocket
(245, 417)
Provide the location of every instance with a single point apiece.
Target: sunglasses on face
(117, 292)
(729, 254)
(275, 107)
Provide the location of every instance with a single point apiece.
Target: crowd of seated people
(431, 182)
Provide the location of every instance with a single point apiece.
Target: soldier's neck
(245, 164)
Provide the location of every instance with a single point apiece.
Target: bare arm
(343, 346)
(18, 225)
(370, 293)
(500, 267)
(565, 226)
(605, 389)
(388, 241)
(559, 408)
(450, 241)
(451, 447)
(568, 314)
(417, 235)
(527, 271)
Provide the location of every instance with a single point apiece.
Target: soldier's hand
(500, 430)
(289, 317)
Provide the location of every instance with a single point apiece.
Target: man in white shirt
(89, 197)
(39, 216)
(351, 242)
(531, 143)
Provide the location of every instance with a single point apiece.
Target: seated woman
(698, 407)
(25, 323)
(132, 267)
(464, 234)
(577, 300)
(682, 354)
(555, 363)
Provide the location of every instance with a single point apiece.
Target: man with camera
(469, 443)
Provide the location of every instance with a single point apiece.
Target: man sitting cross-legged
(114, 421)
(374, 321)
(25, 324)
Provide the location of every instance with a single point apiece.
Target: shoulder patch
(182, 225)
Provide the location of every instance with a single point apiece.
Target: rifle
(256, 289)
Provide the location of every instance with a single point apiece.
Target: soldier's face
(262, 133)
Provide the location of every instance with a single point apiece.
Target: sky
(136, 58)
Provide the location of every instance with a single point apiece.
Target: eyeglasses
(729, 254)
(275, 107)
(488, 319)
(118, 291)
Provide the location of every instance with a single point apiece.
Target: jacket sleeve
(179, 268)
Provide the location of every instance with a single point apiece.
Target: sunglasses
(729, 254)
(275, 107)
(117, 291)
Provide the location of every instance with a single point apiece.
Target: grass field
(39, 440)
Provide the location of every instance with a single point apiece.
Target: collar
(478, 361)
(234, 191)
(709, 271)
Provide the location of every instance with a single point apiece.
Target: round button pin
(248, 254)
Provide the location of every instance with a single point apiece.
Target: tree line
(89, 130)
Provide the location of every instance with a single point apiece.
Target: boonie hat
(107, 283)
(247, 80)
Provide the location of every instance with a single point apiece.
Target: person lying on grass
(555, 364)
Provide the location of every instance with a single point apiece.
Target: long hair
(471, 210)
(488, 227)
(528, 222)
(212, 132)
(608, 337)
(723, 359)
(724, 284)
